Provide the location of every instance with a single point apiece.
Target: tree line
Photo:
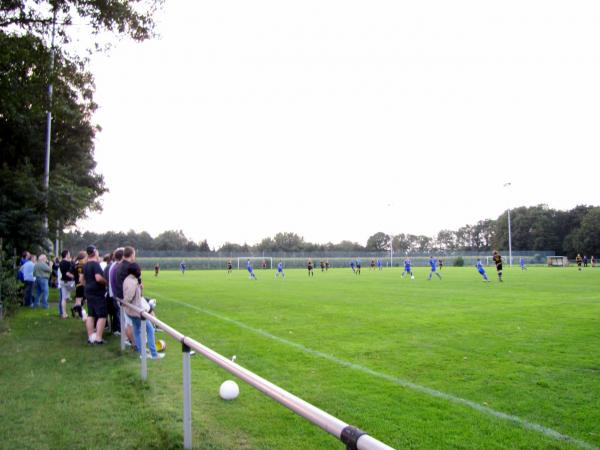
(532, 228)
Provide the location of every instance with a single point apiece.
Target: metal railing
(354, 438)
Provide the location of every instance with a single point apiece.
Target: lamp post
(506, 185)
(389, 205)
(49, 125)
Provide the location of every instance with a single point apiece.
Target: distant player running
(280, 270)
(352, 266)
(229, 266)
(498, 261)
(372, 264)
(358, 265)
(322, 266)
(156, 269)
(182, 267)
(379, 264)
(326, 265)
(481, 270)
(433, 266)
(522, 263)
(309, 266)
(408, 269)
(250, 270)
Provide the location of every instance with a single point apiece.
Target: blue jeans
(28, 296)
(137, 335)
(41, 290)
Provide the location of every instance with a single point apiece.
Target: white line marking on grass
(401, 382)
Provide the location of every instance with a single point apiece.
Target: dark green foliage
(131, 18)
(459, 262)
(10, 290)
(74, 184)
(25, 73)
(543, 228)
(378, 242)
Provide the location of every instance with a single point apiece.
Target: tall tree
(378, 242)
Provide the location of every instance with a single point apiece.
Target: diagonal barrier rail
(354, 438)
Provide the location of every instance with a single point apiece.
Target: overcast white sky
(251, 117)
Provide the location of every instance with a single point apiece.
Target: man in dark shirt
(128, 259)
(95, 293)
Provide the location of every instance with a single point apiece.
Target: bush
(459, 262)
(10, 291)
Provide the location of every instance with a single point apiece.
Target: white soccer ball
(229, 390)
(412, 277)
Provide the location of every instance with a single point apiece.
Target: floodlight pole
(509, 233)
(49, 122)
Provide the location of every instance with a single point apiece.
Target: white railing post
(144, 365)
(187, 397)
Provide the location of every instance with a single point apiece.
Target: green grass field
(456, 363)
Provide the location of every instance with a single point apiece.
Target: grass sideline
(527, 347)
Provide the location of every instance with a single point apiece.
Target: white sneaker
(93, 338)
(158, 356)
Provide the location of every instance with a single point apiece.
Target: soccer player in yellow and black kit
(498, 261)
(309, 266)
(578, 260)
(229, 266)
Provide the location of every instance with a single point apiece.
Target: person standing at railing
(113, 316)
(67, 282)
(112, 270)
(41, 273)
(26, 272)
(132, 294)
(95, 294)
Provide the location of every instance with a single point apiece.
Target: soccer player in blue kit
(279, 270)
(250, 270)
(481, 270)
(522, 262)
(408, 269)
(433, 264)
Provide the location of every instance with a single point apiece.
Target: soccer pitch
(455, 363)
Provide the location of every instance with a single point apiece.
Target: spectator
(41, 273)
(105, 261)
(111, 275)
(128, 259)
(110, 306)
(26, 272)
(132, 294)
(95, 294)
(77, 269)
(67, 282)
(55, 279)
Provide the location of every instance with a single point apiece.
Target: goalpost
(258, 264)
(557, 261)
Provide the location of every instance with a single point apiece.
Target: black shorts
(97, 308)
(79, 292)
(499, 267)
